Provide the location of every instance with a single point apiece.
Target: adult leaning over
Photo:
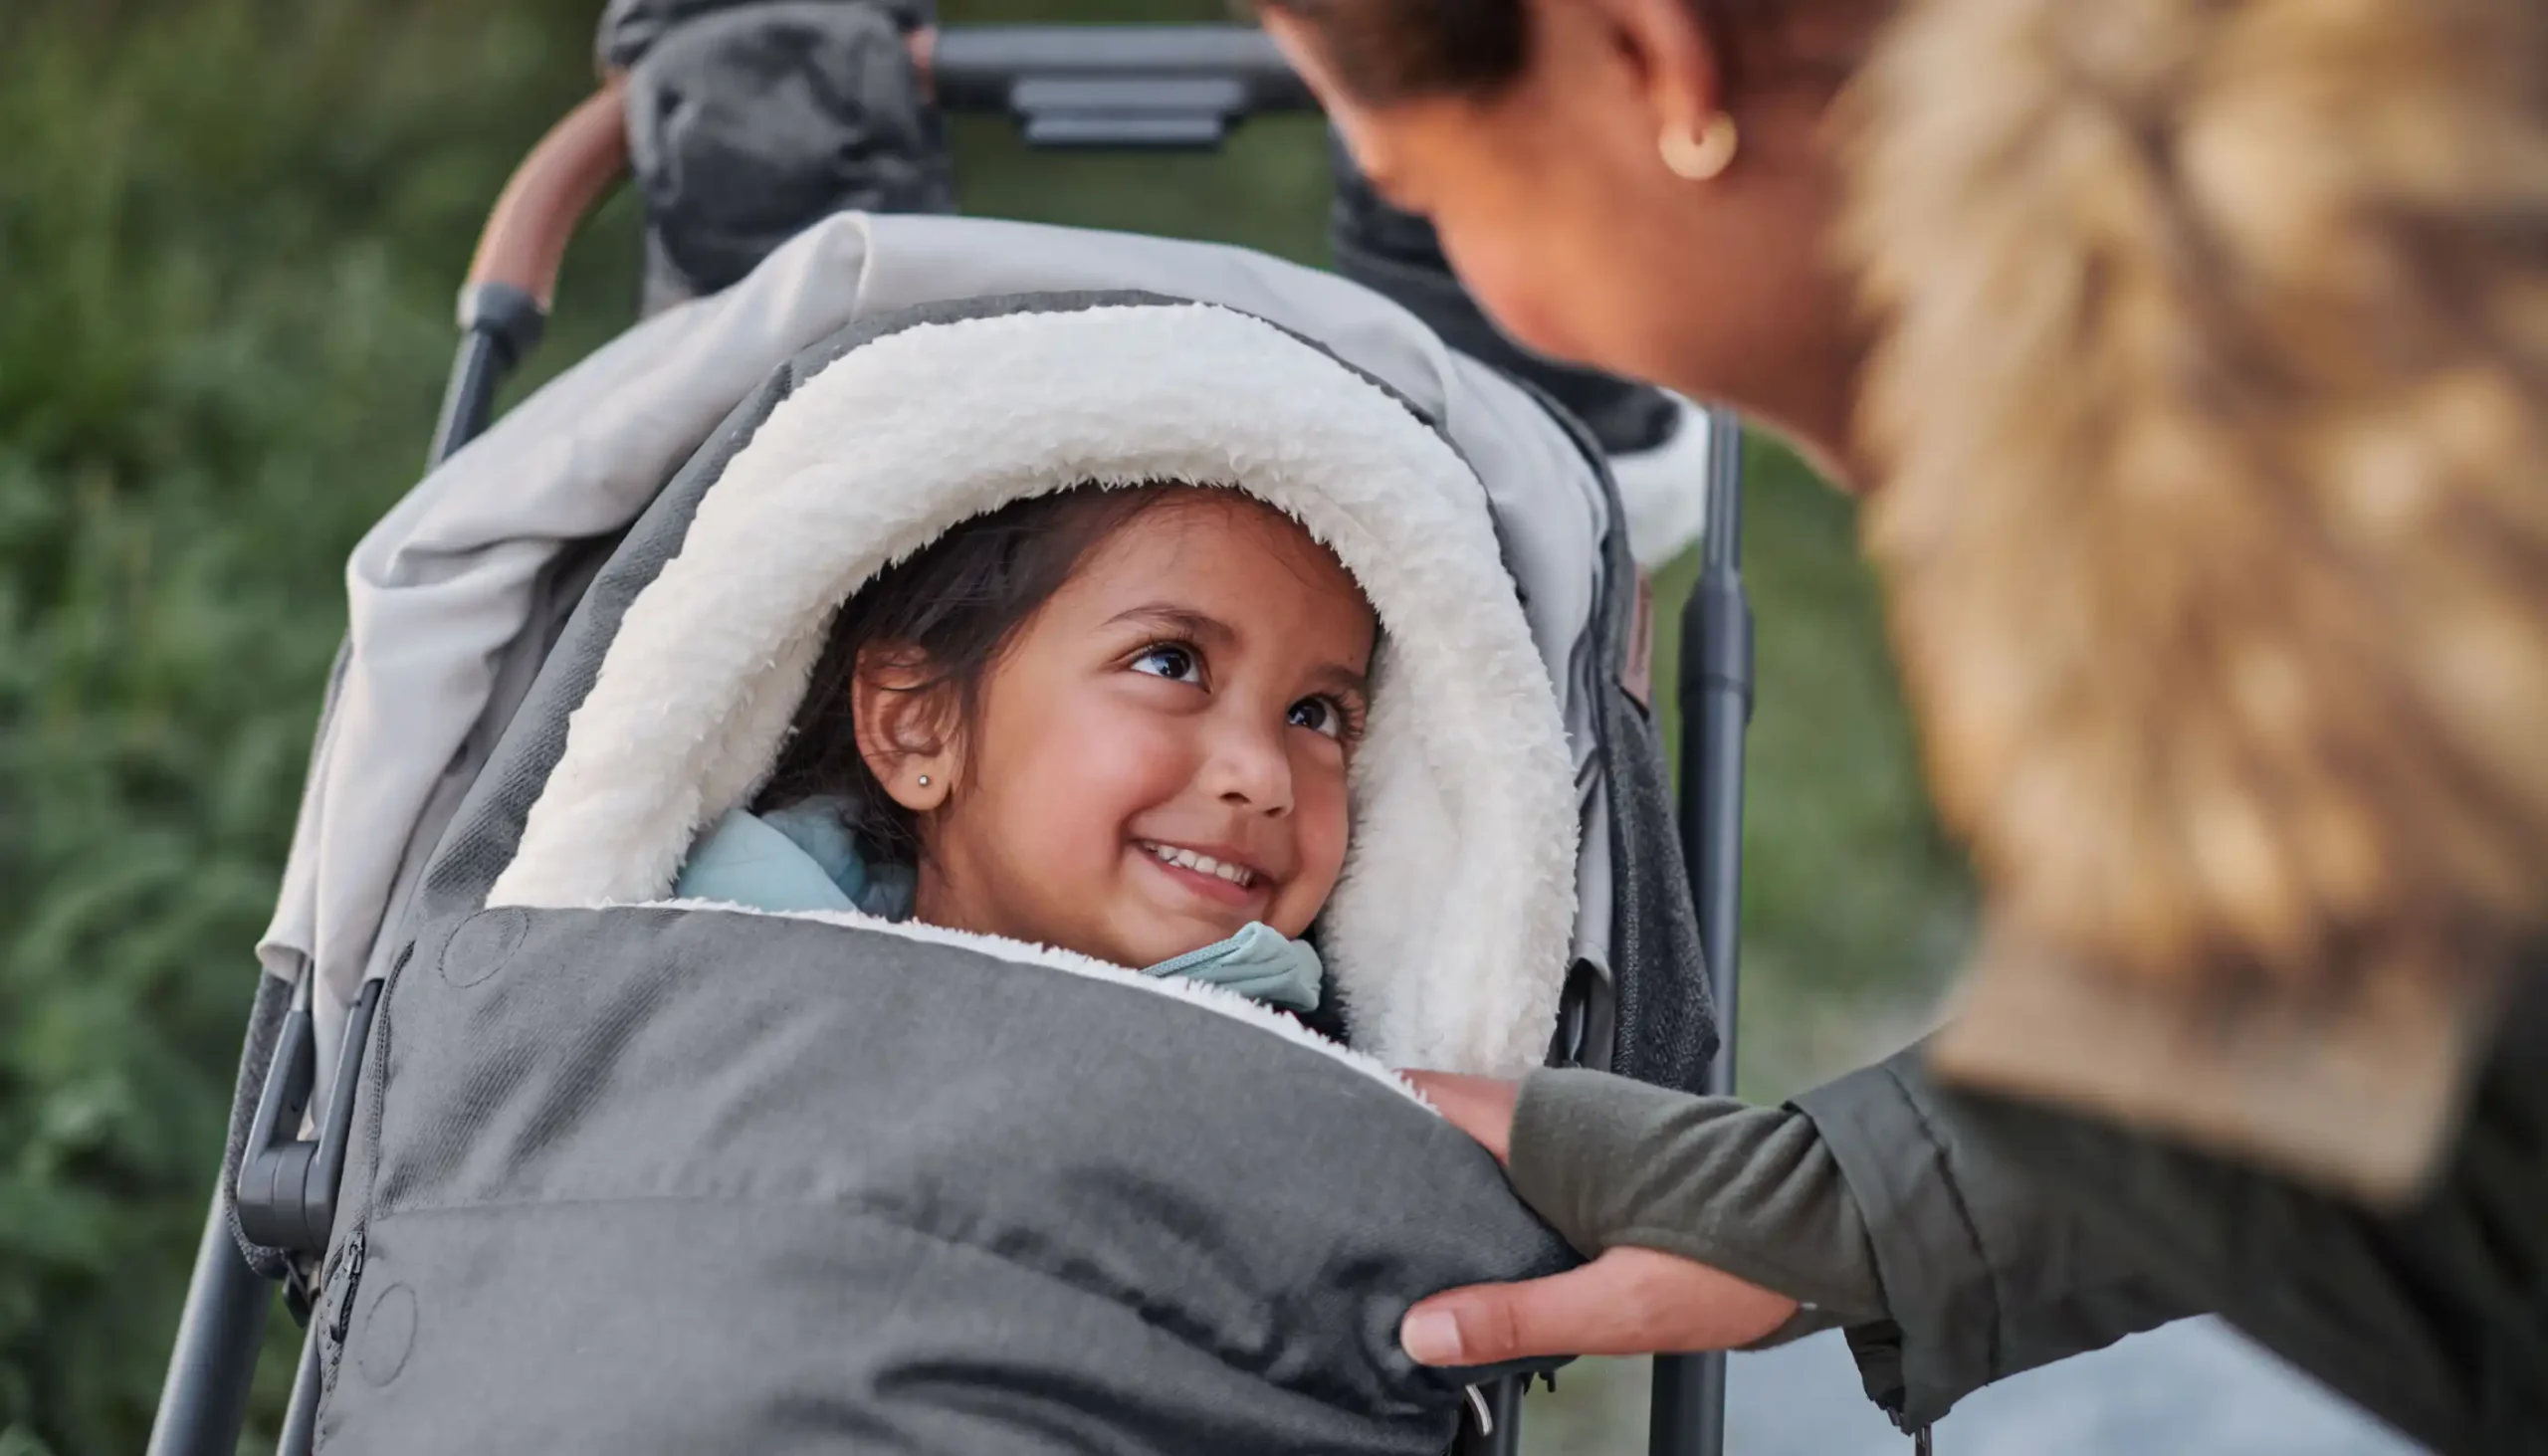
(2193, 358)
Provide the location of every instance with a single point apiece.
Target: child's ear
(905, 721)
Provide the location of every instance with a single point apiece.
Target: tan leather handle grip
(563, 178)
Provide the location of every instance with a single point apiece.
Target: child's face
(1160, 758)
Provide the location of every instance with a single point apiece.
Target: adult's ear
(1667, 53)
(908, 727)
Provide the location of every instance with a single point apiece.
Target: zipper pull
(1920, 1442)
(1478, 1407)
(348, 1275)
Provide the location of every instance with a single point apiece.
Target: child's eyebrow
(1337, 678)
(1183, 621)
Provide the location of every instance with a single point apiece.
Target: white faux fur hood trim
(1448, 934)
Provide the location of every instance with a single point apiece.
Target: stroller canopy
(1504, 748)
(1449, 933)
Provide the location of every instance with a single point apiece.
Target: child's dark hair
(946, 613)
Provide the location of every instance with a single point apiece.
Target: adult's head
(1647, 186)
(2206, 374)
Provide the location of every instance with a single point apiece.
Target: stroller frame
(1122, 87)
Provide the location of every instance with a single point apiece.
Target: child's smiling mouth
(1219, 877)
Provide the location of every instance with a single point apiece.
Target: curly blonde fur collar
(2211, 406)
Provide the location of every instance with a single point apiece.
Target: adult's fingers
(1627, 1302)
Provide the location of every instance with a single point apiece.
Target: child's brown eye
(1318, 715)
(1169, 661)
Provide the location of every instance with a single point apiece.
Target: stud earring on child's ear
(924, 791)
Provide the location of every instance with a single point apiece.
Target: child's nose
(1249, 772)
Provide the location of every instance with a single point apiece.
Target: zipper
(348, 1275)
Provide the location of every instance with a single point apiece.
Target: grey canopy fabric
(457, 596)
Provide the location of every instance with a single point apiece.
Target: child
(1115, 721)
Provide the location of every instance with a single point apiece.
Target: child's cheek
(1126, 759)
(1323, 822)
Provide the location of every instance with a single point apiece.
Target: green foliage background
(229, 235)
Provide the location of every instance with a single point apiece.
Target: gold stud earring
(1700, 156)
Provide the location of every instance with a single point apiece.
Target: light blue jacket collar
(803, 858)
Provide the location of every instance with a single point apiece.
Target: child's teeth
(1202, 864)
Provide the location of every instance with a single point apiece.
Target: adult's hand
(1625, 1302)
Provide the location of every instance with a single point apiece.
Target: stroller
(504, 1106)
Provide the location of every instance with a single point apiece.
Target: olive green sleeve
(1984, 1275)
(1751, 1190)
(1861, 1200)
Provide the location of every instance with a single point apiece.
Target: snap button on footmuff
(483, 944)
(388, 1336)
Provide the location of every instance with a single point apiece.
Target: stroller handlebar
(544, 201)
(1108, 85)
(1104, 86)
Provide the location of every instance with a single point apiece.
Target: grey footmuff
(658, 1180)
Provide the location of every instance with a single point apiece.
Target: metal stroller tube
(1688, 1416)
(204, 1400)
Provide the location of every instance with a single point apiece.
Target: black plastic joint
(286, 1194)
(275, 1205)
(1725, 646)
(506, 313)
